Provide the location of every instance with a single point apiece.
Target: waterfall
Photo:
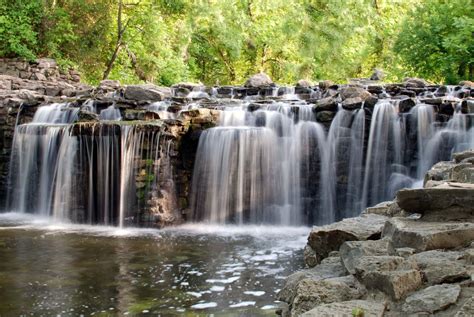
(86, 173)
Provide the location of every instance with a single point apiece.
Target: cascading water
(85, 173)
(277, 165)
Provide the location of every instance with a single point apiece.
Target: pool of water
(49, 268)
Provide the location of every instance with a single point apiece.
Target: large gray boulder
(446, 201)
(440, 266)
(329, 238)
(347, 308)
(311, 293)
(146, 92)
(259, 80)
(432, 299)
(392, 275)
(423, 236)
(354, 92)
(352, 251)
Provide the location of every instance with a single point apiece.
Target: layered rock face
(410, 256)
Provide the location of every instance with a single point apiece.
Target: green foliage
(225, 41)
(19, 21)
(437, 40)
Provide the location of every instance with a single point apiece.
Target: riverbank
(410, 256)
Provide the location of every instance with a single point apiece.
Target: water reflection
(71, 270)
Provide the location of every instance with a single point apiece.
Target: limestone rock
(432, 299)
(352, 251)
(259, 80)
(304, 83)
(329, 238)
(461, 156)
(326, 104)
(311, 293)
(467, 309)
(424, 236)
(109, 84)
(369, 309)
(353, 92)
(415, 82)
(329, 268)
(441, 266)
(448, 197)
(148, 92)
(386, 208)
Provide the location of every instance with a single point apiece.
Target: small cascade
(95, 173)
(384, 153)
(111, 113)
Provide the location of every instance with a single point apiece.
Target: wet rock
(461, 156)
(87, 116)
(148, 92)
(329, 238)
(424, 236)
(440, 171)
(441, 266)
(326, 104)
(352, 103)
(432, 299)
(325, 116)
(369, 309)
(406, 104)
(352, 251)
(449, 201)
(353, 92)
(259, 80)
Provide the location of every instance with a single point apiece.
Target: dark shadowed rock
(377, 75)
(325, 84)
(415, 82)
(406, 104)
(352, 103)
(353, 92)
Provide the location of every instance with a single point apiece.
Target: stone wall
(43, 69)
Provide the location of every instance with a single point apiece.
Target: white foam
(204, 305)
(255, 293)
(243, 304)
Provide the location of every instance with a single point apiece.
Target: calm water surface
(193, 270)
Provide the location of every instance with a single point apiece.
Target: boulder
(352, 103)
(325, 116)
(432, 299)
(440, 171)
(353, 92)
(325, 84)
(406, 104)
(466, 83)
(109, 85)
(87, 116)
(377, 75)
(259, 80)
(415, 82)
(392, 275)
(448, 201)
(423, 236)
(461, 156)
(329, 238)
(386, 208)
(147, 92)
(329, 268)
(348, 308)
(326, 104)
(351, 251)
(304, 83)
(441, 266)
(311, 293)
